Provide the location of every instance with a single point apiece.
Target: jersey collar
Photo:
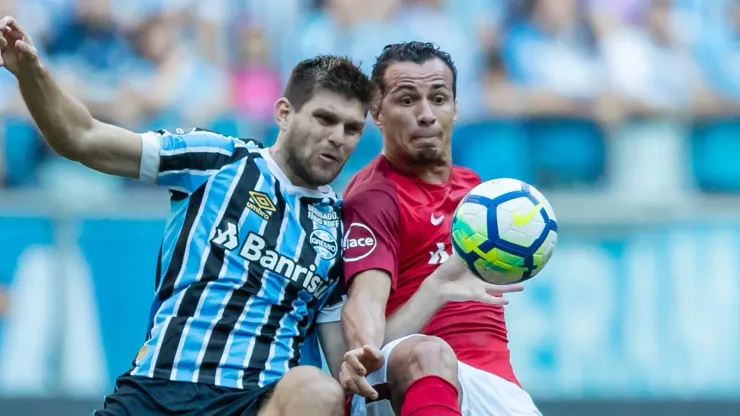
(324, 191)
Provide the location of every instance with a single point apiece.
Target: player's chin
(427, 155)
(326, 174)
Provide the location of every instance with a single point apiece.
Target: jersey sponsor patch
(255, 249)
(440, 255)
(359, 242)
(227, 236)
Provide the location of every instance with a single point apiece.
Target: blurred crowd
(221, 64)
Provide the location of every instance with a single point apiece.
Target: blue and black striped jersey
(247, 263)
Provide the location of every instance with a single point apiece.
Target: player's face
(322, 136)
(417, 112)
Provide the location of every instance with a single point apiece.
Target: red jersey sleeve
(371, 223)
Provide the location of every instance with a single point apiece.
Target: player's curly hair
(416, 52)
(327, 72)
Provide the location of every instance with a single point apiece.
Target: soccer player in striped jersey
(251, 252)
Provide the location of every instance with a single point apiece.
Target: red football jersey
(401, 224)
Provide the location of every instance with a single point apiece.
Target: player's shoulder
(465, 175)
(375, 178)
(195, 136)
(371, 190)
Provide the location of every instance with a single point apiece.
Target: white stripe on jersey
(224, 269)
(201, 149)
(281, 297)
(296, 257)
(239, 322)
(203, 259)
(191, 172)
(180, 274)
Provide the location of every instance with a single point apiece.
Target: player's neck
(278, 155)
(434, 173)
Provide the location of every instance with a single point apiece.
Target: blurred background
(625, 113)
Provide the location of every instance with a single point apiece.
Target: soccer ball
(505, 231)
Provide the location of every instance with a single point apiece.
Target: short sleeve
(184, 160)
(371, 223)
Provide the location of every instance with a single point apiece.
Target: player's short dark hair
(327, 72)
(416, 52)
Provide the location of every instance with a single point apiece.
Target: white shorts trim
(484, 394)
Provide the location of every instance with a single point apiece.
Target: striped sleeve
(183, 161)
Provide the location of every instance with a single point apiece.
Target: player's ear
(455, 118)
(375, 112)
(283, 111)
(377, 119)
(375, 109)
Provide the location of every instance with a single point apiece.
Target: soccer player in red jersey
(442, 331)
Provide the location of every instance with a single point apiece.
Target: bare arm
(333, 346)
(413, 316)
(363, 316)
(451, 282)
(64, 122)
(73, 133)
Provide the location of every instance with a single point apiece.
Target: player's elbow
(66, 147)
(75, 143)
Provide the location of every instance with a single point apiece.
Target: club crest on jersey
(261, 204)
(324, 243)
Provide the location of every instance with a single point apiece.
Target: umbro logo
(261, 204)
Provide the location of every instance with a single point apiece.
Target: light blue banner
(653, 312)
(642, 312)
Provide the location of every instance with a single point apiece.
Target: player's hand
(458, 284)
(17, 52)
(358, 363)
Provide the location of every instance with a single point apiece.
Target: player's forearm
(62, 120)
(363, 323)
(333, 346)
(417, 311)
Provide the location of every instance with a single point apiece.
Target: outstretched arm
(450, 282)
(73, 133)
(65, 123)
(181, 161)
(413, 316)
